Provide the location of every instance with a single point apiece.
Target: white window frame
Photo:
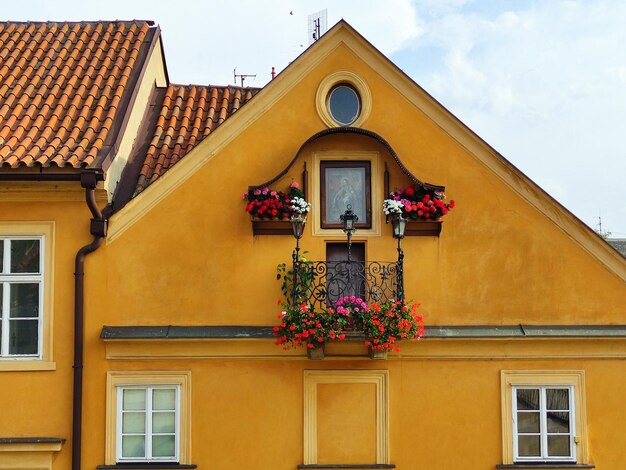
(550, 379)
(6, 279)
(148, 423)
(143, 379)
(543, 425)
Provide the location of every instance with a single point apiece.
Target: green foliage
(304, 284)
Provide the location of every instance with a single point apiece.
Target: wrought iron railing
(321, 283)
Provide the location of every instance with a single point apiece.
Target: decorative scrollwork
(321, 283)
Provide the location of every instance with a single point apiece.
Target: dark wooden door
(345, 277)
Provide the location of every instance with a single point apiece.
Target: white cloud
(544, 84)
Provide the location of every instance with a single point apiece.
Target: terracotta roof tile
(188, 114)
(61, 85)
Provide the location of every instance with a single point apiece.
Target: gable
(508, 254)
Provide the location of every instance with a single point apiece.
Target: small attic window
(343, 99)
(344, 104)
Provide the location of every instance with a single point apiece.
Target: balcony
(321, 283)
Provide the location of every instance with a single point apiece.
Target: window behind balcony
(345, 278)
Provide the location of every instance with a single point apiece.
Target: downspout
(98, 228)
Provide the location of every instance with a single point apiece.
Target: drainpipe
(98, 228)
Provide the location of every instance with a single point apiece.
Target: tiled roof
(619, 244)
(189, 113)
(61, 85)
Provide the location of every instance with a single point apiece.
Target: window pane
(164, 399)
(558, 421)
(163, 446)
(557, 399)
(134, 399)
(133, 446)
(164, 422)
(527, 399)
(23, 336)
(558, 446)
(344, 104)
(1, 292)
(1, 255)
(528, 446)
(527, 422)
(134, 422)
(24, 301)
(24, 256)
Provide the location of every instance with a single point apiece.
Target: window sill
(542, 465)
(147, 465)
(26, 364)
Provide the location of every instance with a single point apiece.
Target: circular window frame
(329, 84)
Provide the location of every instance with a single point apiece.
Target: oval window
(344, 104)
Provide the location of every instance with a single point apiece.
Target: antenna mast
(241, 76)
(318, 25)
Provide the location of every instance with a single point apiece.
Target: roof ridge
(82, 22)
(237, 87)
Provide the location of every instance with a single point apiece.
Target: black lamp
(297, 225)
(349, 220)
(399, 226)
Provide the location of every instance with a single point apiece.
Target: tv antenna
(318, 25)
(241, 76)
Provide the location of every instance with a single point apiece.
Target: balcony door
(345, 278)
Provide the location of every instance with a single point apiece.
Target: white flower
(391, 206)
(300, 206)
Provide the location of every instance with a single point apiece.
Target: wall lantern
(399, 226)
(349, 220)
(297, 225)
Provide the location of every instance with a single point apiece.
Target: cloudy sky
(543, 82)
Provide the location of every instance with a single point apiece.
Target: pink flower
(257, 192)
(294, 185)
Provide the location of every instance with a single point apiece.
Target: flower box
(315, 354)
(423, 228)
(271, 227)
(377, 355)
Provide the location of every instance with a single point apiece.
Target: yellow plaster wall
(154, 75)
(442, 413)
(351, 440)
(38, 403)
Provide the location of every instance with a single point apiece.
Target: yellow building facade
(522, 362)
